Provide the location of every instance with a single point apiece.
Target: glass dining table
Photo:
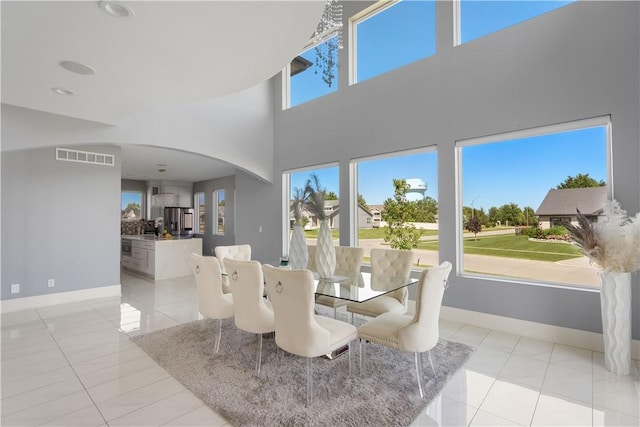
(361, 288)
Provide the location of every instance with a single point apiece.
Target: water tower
(417, 189)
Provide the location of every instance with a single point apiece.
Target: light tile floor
(74, 364)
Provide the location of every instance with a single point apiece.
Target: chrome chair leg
(431, 363)
(217, 346)
(259, 361)
(419, 373)
(309, 381)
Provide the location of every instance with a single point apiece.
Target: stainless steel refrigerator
(179, 221)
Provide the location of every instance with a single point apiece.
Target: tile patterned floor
(74, 364)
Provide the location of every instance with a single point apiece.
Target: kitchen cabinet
(159, 258)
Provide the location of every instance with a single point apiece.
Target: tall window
(314, 73)
(417, 209)
(131, 206)
(329, 181)
(218, 212)
(198, 202)
(518, 188)
(478, 18)
(393, 35)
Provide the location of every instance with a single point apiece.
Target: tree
(474, 225)
(135, 207)
(331, 196)
(397, 213)
(510, 214)
(362, 202)
(425, 210)
(530, 218)
(580, 181)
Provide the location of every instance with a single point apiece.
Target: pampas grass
(613, 244)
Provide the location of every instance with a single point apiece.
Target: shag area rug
(227, 382)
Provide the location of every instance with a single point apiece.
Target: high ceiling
(164, 52)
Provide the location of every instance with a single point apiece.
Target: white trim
(26, 303)
(537, 131)
(556, 334)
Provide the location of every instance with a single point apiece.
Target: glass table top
(361, 288)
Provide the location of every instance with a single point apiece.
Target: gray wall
(209, 240)
(60, 220)
(577, 62)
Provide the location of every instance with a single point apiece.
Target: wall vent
(68, 155)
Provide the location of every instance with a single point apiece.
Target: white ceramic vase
(325, 252)
(298, 252)
(615, 303)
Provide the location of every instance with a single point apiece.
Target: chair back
(393, 262)
(311, 262)
(423, 334)
(211, 300)
(348, 261)
(292, 295)
(237, 252)
(250, 312)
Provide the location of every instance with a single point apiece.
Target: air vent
(68, 155)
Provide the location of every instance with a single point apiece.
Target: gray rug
(227, 381)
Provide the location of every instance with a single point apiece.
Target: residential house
(561, 205)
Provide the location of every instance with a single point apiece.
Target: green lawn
(507, 246)
(512, 246)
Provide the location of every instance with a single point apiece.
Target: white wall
(576, 62)
(60, 220)
(237, 129)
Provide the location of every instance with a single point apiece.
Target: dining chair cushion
(237, 252)
(298, 330)
(388, 262)
(251, 312)
(212, 302)
(384, 329)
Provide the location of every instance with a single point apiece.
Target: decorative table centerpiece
(325, 252)
(614, 245)
(298, 251)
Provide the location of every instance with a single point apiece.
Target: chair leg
(361, 351)
(217, 347)
(351, 317)
(259, 361)
(431, 363)
(309, 381)
(419, 373)
(335, 312)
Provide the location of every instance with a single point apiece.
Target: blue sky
(519, 172)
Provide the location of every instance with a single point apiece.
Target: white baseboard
(557, 334)
(26, 303)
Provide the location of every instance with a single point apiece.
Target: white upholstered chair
(237, 252)
(388, 262)
(348, 263)
(212, 303)
(251, 313)
(298, 329)
(417, 334)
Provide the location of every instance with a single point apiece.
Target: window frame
(508, 136)
(353, 183)
(196, 203)
(143, 204)
(215, 228)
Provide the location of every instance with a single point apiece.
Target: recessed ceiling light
(78, 68)
(116, 8)
(61, 91)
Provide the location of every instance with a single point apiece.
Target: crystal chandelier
(328, 39)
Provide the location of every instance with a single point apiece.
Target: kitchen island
(159, 258)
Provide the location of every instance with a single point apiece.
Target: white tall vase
(615, 302)
(325, 252)
(298, 252)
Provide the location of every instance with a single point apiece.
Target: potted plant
(613, 245)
